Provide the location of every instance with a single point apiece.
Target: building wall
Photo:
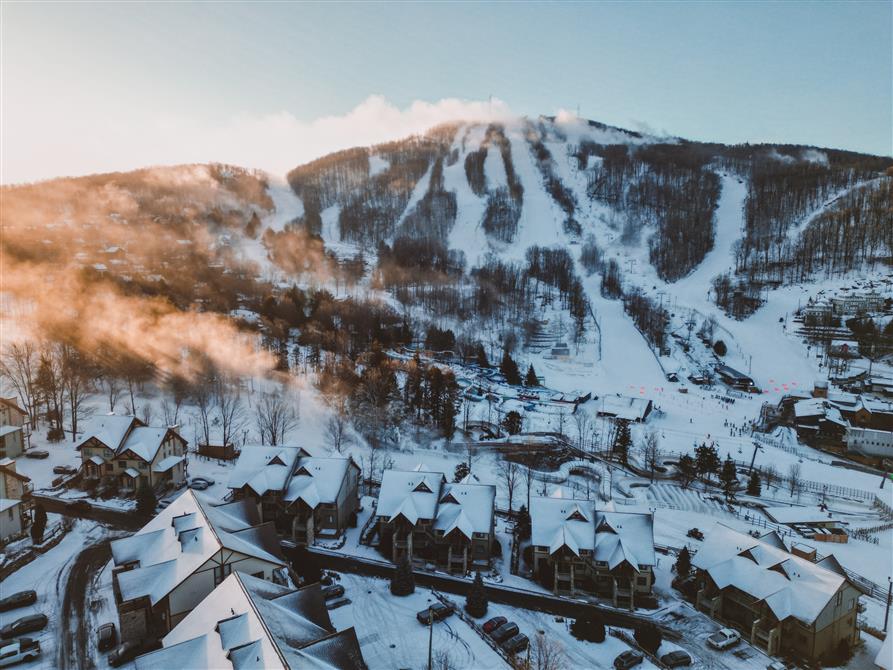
(11, 522)
(12, 444)
(870, 442)
(10, 416)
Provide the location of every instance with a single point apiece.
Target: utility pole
(889, 596)
(756, 447)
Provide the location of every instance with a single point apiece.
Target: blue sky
(89, 87)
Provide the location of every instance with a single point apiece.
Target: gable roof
(317, 480)
(467, 508)
(126, 433)
(791, 586)
(264, 469)
(413, 495)
(12, 404)
(182, 537)
(247, 622)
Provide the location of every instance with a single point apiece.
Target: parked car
(335, 604)
(27, 624)
(16, 600)
(780, 665)
(206, 480)
(19, 651)
(676, 659)
(628, 659)
(37, 453)
(79, 505)
(438, 610)
(516, 643)
(199, 484)
(106, 636)
(127, 651)
(724, 638)
(163, 504)
(494, 623)
(505, 631)
(333, 591)
(64, 470)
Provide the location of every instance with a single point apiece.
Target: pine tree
(531, 378)
(707, 460)
(476, 604)
(146, 502)
(687, 470)
(481, 357)
(402, 580)
(38, 526)
(754, 485)
(649, 638)
(728, 477)
(523, 523)
(461, 472)
(513, 423)
(622, 441)
(589, 628)
(683, 563)
(509, 369)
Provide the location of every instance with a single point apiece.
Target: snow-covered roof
(97, 460)
(624, 407)
(317, 480)
(467, 508)
(125, 433)
(612, 537)
(6, 430)
(791, 586)
(133, 473)
(183, 537)
(264, 468)
(247, 622)
(790, 514)
(884, 658)
(8, 503)
(809, 407)
(413, 495)
(166, 464)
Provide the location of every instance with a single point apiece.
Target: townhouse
(420, 515)
(577, 548)
(125, 452)
(304, 496)
(15, 500)
(165, 569)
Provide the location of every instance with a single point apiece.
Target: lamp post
(430, 635)
(887, 609)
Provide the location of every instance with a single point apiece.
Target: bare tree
(19, 364)
(794, 482)
(770, 474)
(528, 482)
(583, 423)
(76, 376)
(651, 454)
(511, 476)
(202, 398)
(231, 410)
(546, 653)
(275, 419)
(111, 385)
(336, 431)
(50, 388)
(148, 413)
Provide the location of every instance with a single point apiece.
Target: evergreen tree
(146, 502)
(476, 603)
(707, 460)
(512, 422)
(461, 472)
(38, 526)
(728, 477)
(589, 628)
(622, 441)
(754, 485)
(683, 563)
(523, 523)
(509, 369)
(481, 357)
(531, 379)
(402, 580)
(649, 638)
(687, 470)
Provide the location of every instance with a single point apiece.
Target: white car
(18, 651)
(724, 638)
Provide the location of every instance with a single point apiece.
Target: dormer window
(576, 515)
(422, 487)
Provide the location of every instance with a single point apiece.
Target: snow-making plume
(781, 158)
(814, 156)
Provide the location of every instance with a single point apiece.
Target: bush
(649, 638)
(402, 581)
(546, 575)
(476, 603)
(590, 629)
(146, 502)
(55, 434)
(720, 348)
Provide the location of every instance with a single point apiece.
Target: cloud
(274, 142)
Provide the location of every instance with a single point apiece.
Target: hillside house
(579, 549)
(247, 622)
(624, 407)
(12, 441)
(13, 415)
(782, 602)
(734, 378)
(165, 569)
(420, 515)
(15, 500)
(122, 450)
(304, 496)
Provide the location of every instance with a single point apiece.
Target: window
(221, 572)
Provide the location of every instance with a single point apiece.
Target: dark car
(628, 659)
(333, 591)
(438, 610)
(106, 636)
(127, 651)
(676, 659)
(494, 623)
(27, 624)
(64, 470)
(20, 599)
(37, 453)
(516, 643)
(505, 631)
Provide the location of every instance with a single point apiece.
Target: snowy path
(287, 206)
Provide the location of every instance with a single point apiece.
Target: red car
(494, 623)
